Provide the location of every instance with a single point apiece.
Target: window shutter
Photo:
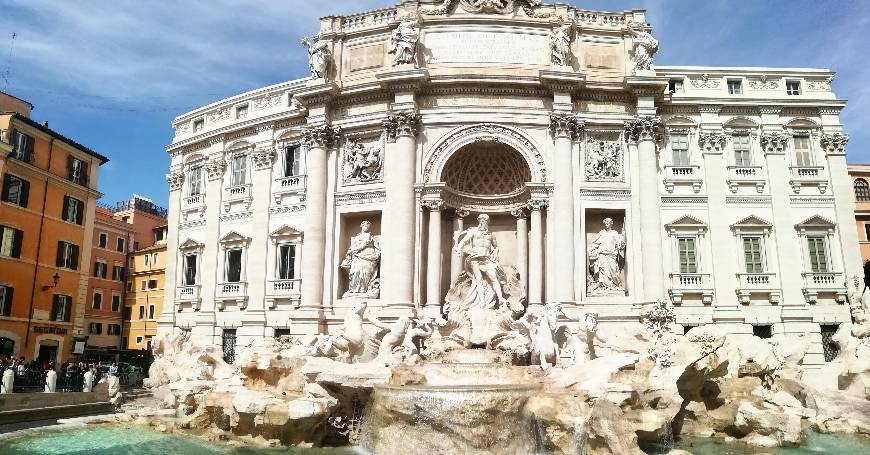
(67, 308)
(69, 167)
(55, 302)
(75, 257)
(60, 254)
(7, 301)
(104, 271)
(65, 208)
(80, 213)
(17, 238)
(25, 193)
(83, 179)
(28, 149)
(6, 183)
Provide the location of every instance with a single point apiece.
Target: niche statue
(605, 251)
(361, 263)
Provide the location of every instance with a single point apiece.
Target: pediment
(686, 222)
(740, 123)
(680, 122)
(816, 221)
(190, 244)
(239, 146)
(234, 237)
(286, 231)
(751, 222)
(802, 123)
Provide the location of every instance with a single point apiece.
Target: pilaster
(565, 129)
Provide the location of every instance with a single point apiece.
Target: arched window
(862, 190)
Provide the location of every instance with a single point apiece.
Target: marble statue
(858, 308)
(394, 337)
(657, 319)
(362, 164)
(88, 381)
(603, 160)
(361, 263)
(560, 45)
(645, 46)
(319, 53)
(7, 381)
(544, 322)
(50, 381)
(403, 42)
(605, 251)
(349, 344)
(485, 291)
(418, 333)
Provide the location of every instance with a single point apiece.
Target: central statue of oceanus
(486, 295)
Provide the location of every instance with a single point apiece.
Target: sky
(113, 74)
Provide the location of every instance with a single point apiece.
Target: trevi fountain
(497, 227)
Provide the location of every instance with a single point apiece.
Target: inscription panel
(366, 57)
(494, 46)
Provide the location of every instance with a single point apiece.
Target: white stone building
(726, 187)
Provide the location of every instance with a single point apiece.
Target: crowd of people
(70, 374)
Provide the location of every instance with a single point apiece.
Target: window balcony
(802, 176)
(282, 290)
(285, 186)
(188, 294)
(691, 283)
(745, 175)
(238, 193)
(758, 283)
(193, 204)
(683, 175)
(232, 292)
(816, 283)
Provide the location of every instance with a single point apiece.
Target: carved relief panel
(362, 161)
(604, 157)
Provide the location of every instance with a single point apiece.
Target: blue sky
(113, 74)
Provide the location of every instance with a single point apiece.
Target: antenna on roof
(9, 62)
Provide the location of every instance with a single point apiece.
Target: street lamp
(55, 279)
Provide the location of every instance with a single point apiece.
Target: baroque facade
(607, 181)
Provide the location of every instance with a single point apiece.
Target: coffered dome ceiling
(486, 169)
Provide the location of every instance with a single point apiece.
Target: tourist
(113, 369)
(21, 367)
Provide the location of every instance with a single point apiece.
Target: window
(131, 262)
(803, 151)
(283, 333)
(118, 273)
(240, 170)
(190, 275)
(60, 308)
(675, 86)
(22, 147)
(129, 286)
(762, 331)
(100, 269)
(862, 191)
(67, 256)
(752, 254)
(680, 149)
(292, 156)
(829, 347)
(241, 111)
(688, 254)
(228, 342)
(10, 242)
(792, 87)
(138, 340)
(159, 235)
(77, 171)
(233, 265)
(98, 301)
(95, 328)
(742, 156)
(198, 125)
(194, 188)
(6, 300)
(152, 284)
(104, 239)
(113, 329)
(73, 210)
(142, 312)
(116, 302)
(150, 311)
(286, 261)
(154, 259)
(144, 285)
(16, 190)
(120, 245)
(818, 254)
(145, 259)
(735, 87)
(128, 313)
(135, 245)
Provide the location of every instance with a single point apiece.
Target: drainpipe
(39, 248)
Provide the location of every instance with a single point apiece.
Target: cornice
(219, 135)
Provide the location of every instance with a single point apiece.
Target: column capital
(538, 204)
(215, 168)
(401, 124)
(263, 158)
(712, 140)
(462, 213)
(644, 128)
(433, 204)
(774, 141)
(563, 124)
(175, 180)
(520, 212)
(834, 143)
(321, 135)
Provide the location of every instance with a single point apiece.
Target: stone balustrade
(824, 282)
(745, 175)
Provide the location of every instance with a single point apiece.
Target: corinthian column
(834, 145)
(397, 224)
(536, 252)
(646, 132)
(565, 128)
(522, 245)
(433, 255)
(456, 259)
(318, 139)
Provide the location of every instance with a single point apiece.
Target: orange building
(118, 231)
(860, 174)
(145, 292)
(46, 216)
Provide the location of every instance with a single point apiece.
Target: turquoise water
(815, 444)
(132, 440)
